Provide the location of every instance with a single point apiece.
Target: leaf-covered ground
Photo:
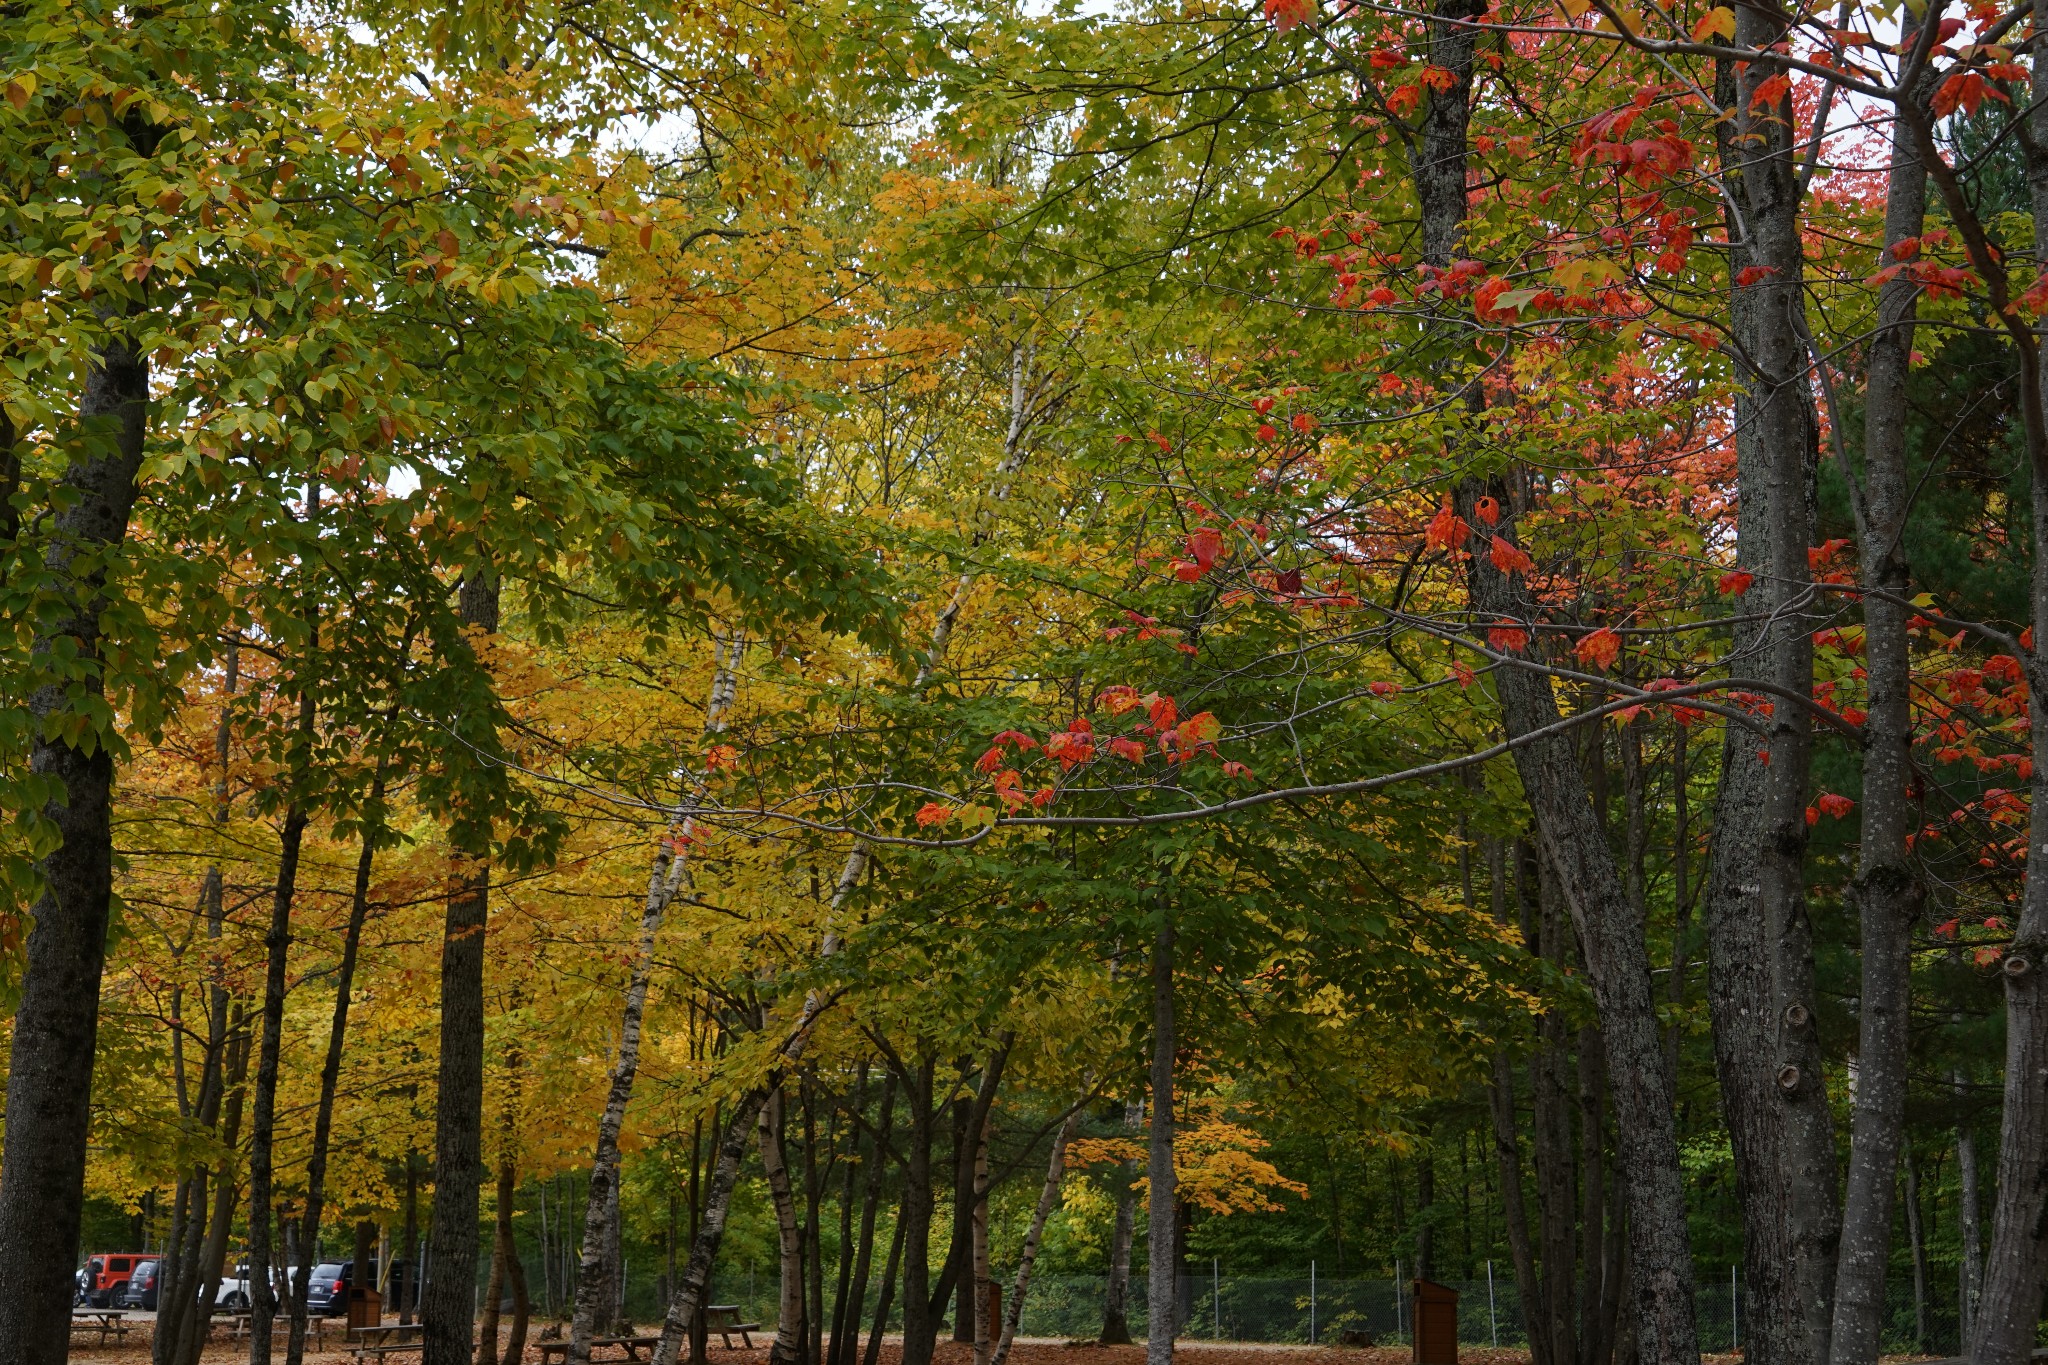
(1027, 1352)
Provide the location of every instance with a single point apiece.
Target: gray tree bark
(50, 1066)
(1162, 1266)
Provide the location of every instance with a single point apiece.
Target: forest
(927, 677)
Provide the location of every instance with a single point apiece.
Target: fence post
(1311, 1303)
(1492, 1316)
(1734, 1321)
(1216, 1294)
(1398, 1305)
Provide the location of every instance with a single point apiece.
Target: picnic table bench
(724, 1319)
(631, 1345)
(383, 1340)
(106, 1321)
(237, 1323)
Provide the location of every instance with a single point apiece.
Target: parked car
(142, 1287)
(233, 1294)
(327, 1291)
(106, 1277)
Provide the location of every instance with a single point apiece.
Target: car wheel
(237, 1302)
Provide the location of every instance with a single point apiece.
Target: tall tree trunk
(508, 1251)
(263, 1116)
(330, 1071)
(494, 1294)
(978, 1249)
(1760, 958)
(1610, 933)
(1916, 1241)
(595, 1299)
(56, 1023)
(852, 1250)
(1027, 1256)
(814, 1247)
(1887, 891)
(1161, 1290)
(920, 1328)
(1969, 1232)
(688, 1297)
(886, 1299)
(448, 1307)
(789, 1313)
(856, 1292)
(181, 1272)
(408, 1294)
(2004, 1330)
(1116, 1322)
(1595, 1274)
(1550, 1104)
(1610, 930)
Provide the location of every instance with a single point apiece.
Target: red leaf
(1127, 749)
(1448, 531)
(1750, 274)
(1383, 688)
(1736, 584)
(1601, 648)
(934, 813)
(1509, 558)
(1288, 581)
(1286, 14)
(1835, 805)
(1262, 406)
(1507, 637)
(1488, 510)
(1205, 543)
(1770, 91)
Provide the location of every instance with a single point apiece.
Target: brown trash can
(1435, 1323)
(365, 1308)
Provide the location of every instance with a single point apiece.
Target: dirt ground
(1026, 1352)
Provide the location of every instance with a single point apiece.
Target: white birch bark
(1048, 1198)
(667, 876)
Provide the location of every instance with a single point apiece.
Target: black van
(327, 1291)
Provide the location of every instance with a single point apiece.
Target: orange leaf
(1510, 558)
(1601, 648)
(933, 813)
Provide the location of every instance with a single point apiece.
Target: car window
(119, 1264)
(327, 1270)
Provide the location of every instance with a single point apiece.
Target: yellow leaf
(1574, 8)
(1715, 23)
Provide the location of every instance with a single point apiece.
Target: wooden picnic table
(631, 1345)
(236, 1320)
(106, 1321)
(384, 1339)
(724, 1319)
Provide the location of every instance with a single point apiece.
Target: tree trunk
(1027, 1256)
(1596, 1275)
(1616, 958)
(1116, 1323)
(408, 1294)
(508, 1252)
(448, 1306)
(920, 1328)
(873, 1354)
(689, 1295)
(263, 1116)
(50, 1066)
(852, 1250)
(789, 1314)
(1760, 959)
(2009, 1306)
(978, 1249)
(595, 1300)
(1161, 1290)
(1916, 1239)
(856, 1291)
(1887, 891)
(330, 1073)
(1552, 1135)
(1969, 1233)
